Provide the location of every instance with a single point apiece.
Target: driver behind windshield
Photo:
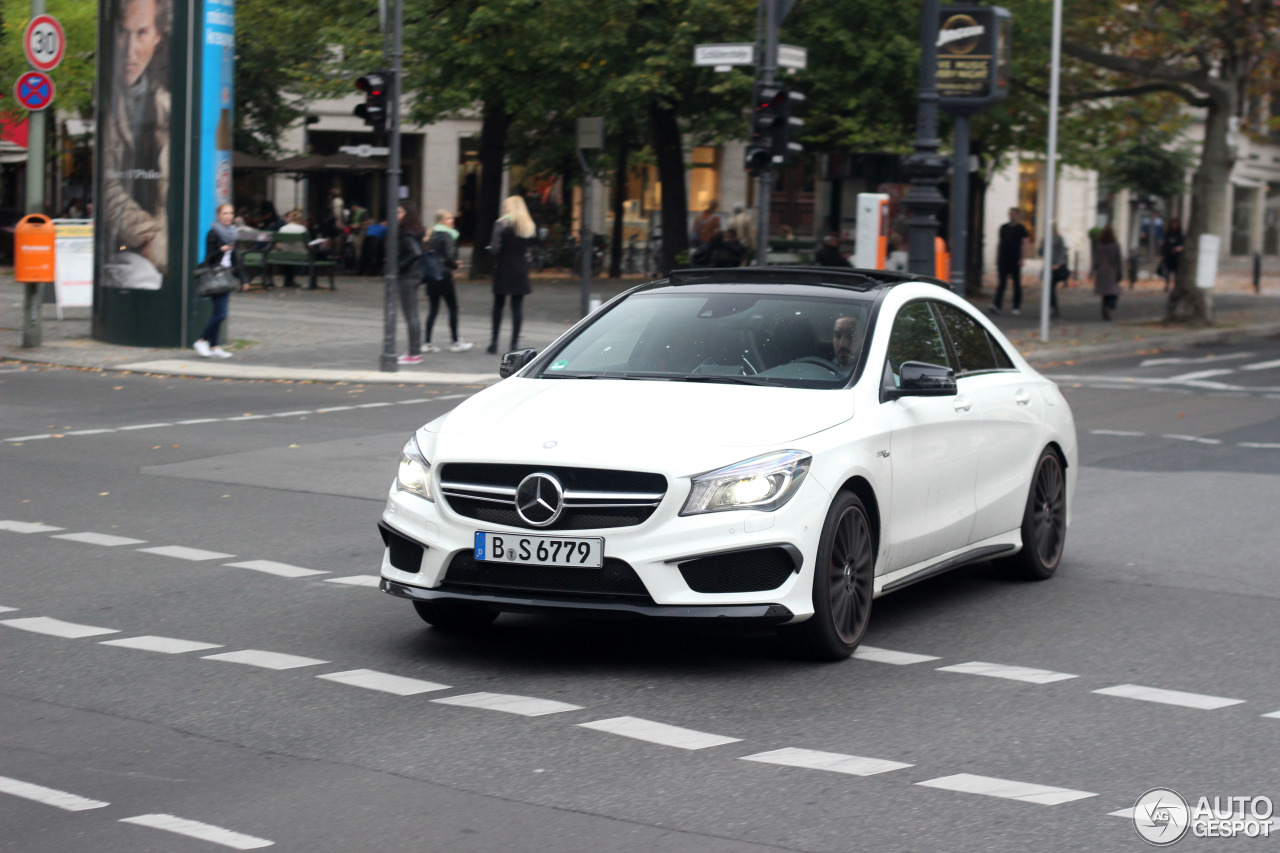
(842, 342)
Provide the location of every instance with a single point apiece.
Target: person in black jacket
(512, 235)
(829, 254)
(1171, 251)
(219, 250)
(409, 275)
(442, 246)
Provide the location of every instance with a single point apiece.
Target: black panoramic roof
(851, 279)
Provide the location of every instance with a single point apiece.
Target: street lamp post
(926, 167)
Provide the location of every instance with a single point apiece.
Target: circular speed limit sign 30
(44, 42)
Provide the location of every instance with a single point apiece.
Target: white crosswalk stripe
(1169, 697)
(1012, 673)
(48, 796)
(383, 682)
(270, 567)
(104, 539)
(28, 527)
(1008, 789)
(854, 765)
(525, 706)
(181, 552)
(266, 660)
(660, 733)
(872, 653)
(56, 627)
(164, 645)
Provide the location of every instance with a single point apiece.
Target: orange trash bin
(33, 249)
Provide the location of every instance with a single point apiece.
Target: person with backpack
(438, 264)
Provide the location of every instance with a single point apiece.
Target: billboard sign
(973, 57)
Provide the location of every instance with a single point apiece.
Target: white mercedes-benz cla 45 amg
(762, 444)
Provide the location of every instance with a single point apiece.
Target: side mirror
(920, 379)
(512, 362)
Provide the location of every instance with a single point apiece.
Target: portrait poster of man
(135, 146)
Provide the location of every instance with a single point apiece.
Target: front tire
(843, 584)
(455, 615)
(1044, 522)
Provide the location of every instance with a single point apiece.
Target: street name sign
(44, 42)
(365, 150)
(790, 56)
(724, 54)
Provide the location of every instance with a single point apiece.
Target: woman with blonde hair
(512, 235)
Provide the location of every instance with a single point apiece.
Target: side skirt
(973, 554)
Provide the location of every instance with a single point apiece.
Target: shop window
(704, 177)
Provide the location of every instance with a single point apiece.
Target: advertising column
(216, 98)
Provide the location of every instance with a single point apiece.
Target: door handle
(1022, 398)
(963, 404)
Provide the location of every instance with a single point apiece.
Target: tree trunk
(1209, 191)
(493, 146)
(669, 150)
(619, 204)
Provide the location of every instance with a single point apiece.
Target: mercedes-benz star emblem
(539, 499)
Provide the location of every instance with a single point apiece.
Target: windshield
(732, 337)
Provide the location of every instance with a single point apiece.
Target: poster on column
(216, 99)
(134, 136)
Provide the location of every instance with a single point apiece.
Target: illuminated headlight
(414, 473)
(763, 483)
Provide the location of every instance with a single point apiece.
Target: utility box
(33, 242)
(871, 242)
(1207, 261)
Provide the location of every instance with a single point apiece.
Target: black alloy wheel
(843, 584)
(1044, 522)
(455, 615)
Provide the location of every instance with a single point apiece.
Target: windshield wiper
(662, 377)
(727, 379)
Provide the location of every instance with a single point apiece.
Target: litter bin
(33, 242)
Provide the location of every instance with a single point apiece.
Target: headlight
(764, 483)
(414, 473)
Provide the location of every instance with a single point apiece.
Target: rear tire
(843, 584)
(455, 615)
(1044, 523)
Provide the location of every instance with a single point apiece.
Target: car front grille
(594, 498)
(755, 570)
(615, 581)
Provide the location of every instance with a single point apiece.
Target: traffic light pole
(387, 361)
(768, 75)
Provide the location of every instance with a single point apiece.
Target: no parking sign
(34, 90)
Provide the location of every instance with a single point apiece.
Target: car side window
(969, 340)
(916, 337)
(1003, 362)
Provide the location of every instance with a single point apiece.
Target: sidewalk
(324, 336)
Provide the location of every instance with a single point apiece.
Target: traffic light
(771, 124)
(785, 103)
(376, 86)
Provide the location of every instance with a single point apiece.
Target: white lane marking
(1126, 813)
(1275, 715)
(1259, 445)
(1261, 365)
(56, 627)
(164, 645)
(199, 421)
(1196, 375)
(383, 681)
(660, 733)
(1122, 432)
(48, 796)
(453, 396)
(270, 567)
(812, 759)
(525, 706)
(105, 539)
(1168, 697)
(184, 553)
(201, 831)
(1008, 789)
(872, 653)
(88, 431)
(4, 609)
(28, 527)
(415, 402)
(143, 426)
(30, 437)
(266, 660)
(373, 405)
(1202, 359)
(356, 580)
(292, 414)
(334, 409)
(249, 418)
(1012, 673)
(1194, 438)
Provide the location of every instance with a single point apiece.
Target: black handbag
(432, 269)
(214, 281)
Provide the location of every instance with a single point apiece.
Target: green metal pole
(32, 325)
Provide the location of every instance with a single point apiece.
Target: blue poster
(217, 90)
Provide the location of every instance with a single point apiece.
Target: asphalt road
(263, 506)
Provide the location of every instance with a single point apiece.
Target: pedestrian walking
(1108, 268)
(1013, 238)
(1059, 270)
(409, 275)
(512, 235)
(706, 224)
(219, 250)
(438, 265)
(1171, 251)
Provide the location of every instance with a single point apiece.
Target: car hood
(633, 413)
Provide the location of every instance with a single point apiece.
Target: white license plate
(578, 553)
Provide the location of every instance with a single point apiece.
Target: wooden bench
(295, 251)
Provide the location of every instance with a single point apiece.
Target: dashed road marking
(104, 539)
(56, 627)
(1122, 432)
(28, 527)
(659, 733)
(266, 660)
(1012, 673)
(164, 645)
(872, 653)
(143, 426)
(1275, 715)
(1261, 365)
(270, 567)
(181, 552)
(1008, 789)
(1169, 697)
(48, 796)
(383, 682)
(201, 831)
(525, 706)
(1260, 445)
(4, 609)
(812, 759)
(1194, 438)
(357, 580)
